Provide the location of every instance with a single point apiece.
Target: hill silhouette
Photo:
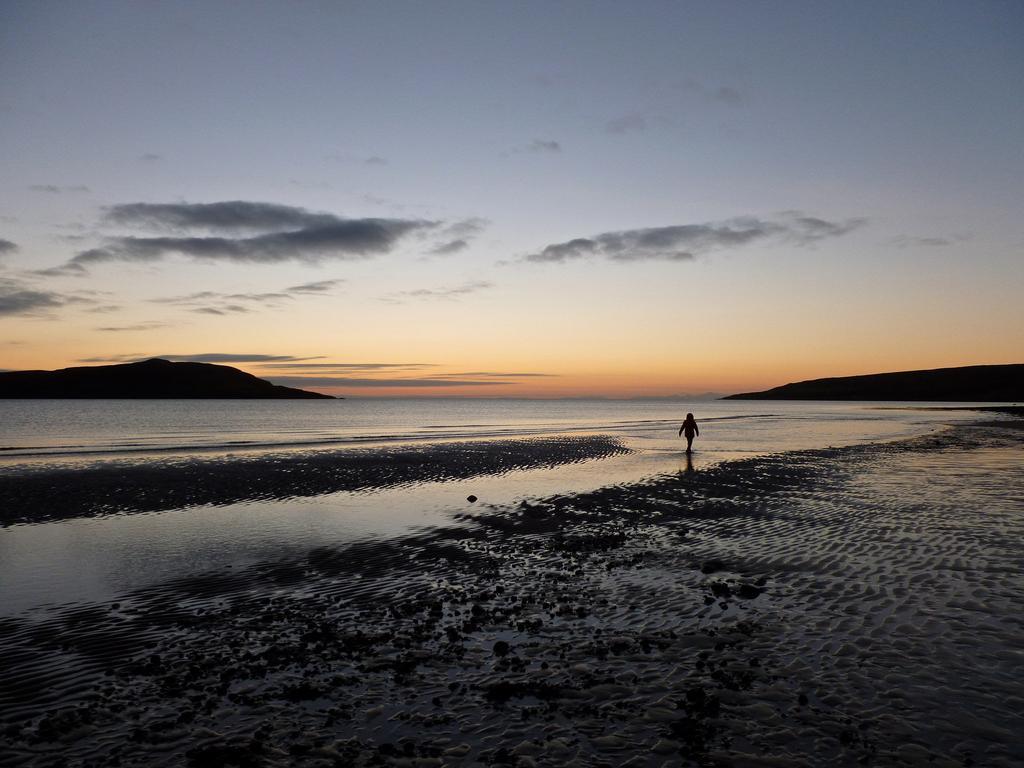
(155, 378)
(972, 383)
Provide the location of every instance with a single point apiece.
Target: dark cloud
(631, 123)
(57, 189)
(19, 298)
(452, 246)
(345, 381)
(439, 293)
(151, 157)
(147, 326)
(6, 246)
(683, 242)
(16, 299)
(343, 239)
(226, 217)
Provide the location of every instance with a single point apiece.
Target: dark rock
(721, 589)
(501, 648)
(712, 566)
(471, 498)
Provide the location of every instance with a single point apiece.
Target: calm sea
(34, 430)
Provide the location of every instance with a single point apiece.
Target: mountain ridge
(151, 379)
(970, 383)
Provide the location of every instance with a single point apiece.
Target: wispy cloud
(63, 270)
(347, 367)
(438, 293)
(537, 146)
(634, 122)
(725, 94)
(199, 357)
(150, 157)
(58, 189)
(346, 381)
(244, 232)
(6, 246)
(320, 286)
(456, 236)
(452, 246)
(905, 241)
(345, 157)
(497, 375)
(218, 303)
(147, 326)
(684, 242)
(227, 309)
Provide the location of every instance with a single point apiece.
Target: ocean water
(37, 430)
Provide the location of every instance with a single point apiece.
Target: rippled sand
(834, 607)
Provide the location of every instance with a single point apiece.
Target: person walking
(690, 428)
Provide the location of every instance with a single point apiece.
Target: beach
(848, 605)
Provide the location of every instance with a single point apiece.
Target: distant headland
(972, 383)
(148, 379)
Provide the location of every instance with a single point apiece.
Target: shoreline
(763, 610)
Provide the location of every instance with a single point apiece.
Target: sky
(513, 199)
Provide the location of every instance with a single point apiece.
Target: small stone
(721, 589)
(471, 498)
(501, 648)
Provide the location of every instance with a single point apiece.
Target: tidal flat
(857, 605)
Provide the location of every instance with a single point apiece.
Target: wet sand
(38, 493)
(849, 606)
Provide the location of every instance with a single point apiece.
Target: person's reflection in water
(689, 464)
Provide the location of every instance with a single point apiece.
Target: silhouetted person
(690, 428)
